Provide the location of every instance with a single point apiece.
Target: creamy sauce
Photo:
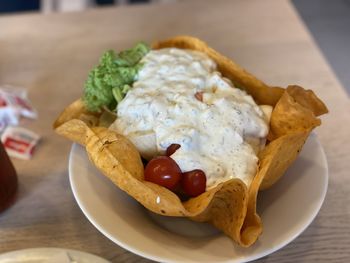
(179, 97)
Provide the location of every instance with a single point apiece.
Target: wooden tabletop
(50, 55)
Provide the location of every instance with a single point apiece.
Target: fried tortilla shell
(295, 111)
(230, 206)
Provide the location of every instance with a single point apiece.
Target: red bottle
(8, 180)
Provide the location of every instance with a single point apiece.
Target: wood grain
(50, 56)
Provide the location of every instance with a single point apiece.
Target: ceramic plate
(49, 255)
(166, 239)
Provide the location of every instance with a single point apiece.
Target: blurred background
(47, 6)
(327, 21)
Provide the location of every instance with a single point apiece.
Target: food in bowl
(209, 130)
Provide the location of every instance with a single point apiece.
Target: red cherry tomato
(194, 182)
(172, 148)
(164, 171)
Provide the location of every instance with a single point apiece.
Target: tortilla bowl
(230, 206)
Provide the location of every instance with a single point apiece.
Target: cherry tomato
(194, 182)
(172, 148)
(164, 171)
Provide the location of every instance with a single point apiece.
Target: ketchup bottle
(8, 180)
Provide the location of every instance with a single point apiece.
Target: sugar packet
(16, 98)
(19, 142)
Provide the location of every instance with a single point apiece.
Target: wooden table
(50, 55)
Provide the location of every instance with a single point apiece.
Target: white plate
(286, 210)
(49, 255)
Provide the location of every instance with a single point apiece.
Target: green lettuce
(108, 82)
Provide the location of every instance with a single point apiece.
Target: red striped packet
(16, 98)
(19, 142)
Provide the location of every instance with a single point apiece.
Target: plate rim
(74, 252)
(148, 255)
